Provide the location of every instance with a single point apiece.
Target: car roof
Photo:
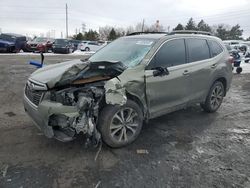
(169, 36)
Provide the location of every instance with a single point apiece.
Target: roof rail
(150, 32)
(190, 32)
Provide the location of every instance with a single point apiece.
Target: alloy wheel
(216, 97)
(124, 125)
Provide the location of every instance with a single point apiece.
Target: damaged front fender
(115, 93)
(130, 83)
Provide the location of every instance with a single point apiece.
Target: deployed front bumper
(37, 117)
(41, 115)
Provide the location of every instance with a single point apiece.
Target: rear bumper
(60, 50)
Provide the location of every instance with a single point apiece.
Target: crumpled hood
(6, 42)
(51, 74)
(65, 73)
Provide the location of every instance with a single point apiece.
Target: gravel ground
(188, 148)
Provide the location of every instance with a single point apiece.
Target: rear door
(168, 92)
(201, 67)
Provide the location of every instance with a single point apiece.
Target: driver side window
(171, 53)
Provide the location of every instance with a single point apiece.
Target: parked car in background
(39, 44)
(229, 48)
(91, 46)
(10, 42)
(63, 46)
(233, 43)
(75, 43)
(131, 80)
(246, 43)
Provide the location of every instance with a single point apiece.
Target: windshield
(7, 38)
(129, 51)
(61, 41)
(40, 39)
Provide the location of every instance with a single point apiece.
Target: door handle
(186, 72)
(214, 65)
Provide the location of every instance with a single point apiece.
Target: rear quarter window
(197, 49)
(215, 48)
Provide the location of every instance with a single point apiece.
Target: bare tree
(104, 32)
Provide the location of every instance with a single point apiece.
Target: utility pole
(67, 29)
(83, 27)
(142, 28)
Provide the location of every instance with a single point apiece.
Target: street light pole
(67, 33)
(142, 29)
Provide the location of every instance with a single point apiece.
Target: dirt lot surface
(188, 148)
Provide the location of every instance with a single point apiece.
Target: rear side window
(197, 50)
(215, 48)
(172, 53)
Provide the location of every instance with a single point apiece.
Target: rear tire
(87, 49)
(120, 125)
(239, 70)
(214, 98)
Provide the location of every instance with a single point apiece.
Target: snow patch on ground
(77, 52)
(245, 67)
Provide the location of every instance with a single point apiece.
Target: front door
(170, 92)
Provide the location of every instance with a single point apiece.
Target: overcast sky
(39, 16)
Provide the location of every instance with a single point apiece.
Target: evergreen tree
(235, 33)
(222, 32)
(91, 35)
(179, 27)
(191, 25)
(79, 36)
(112, 35)
(202, 26)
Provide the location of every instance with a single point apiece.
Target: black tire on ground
(87, 49)
(120, 125)
(239, 70)
(11, 50)
(214, 97)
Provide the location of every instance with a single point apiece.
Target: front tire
(214, 98)
(120, 125)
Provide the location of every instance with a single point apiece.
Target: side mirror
(160, 71)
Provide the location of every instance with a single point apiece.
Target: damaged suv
(131, 80)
